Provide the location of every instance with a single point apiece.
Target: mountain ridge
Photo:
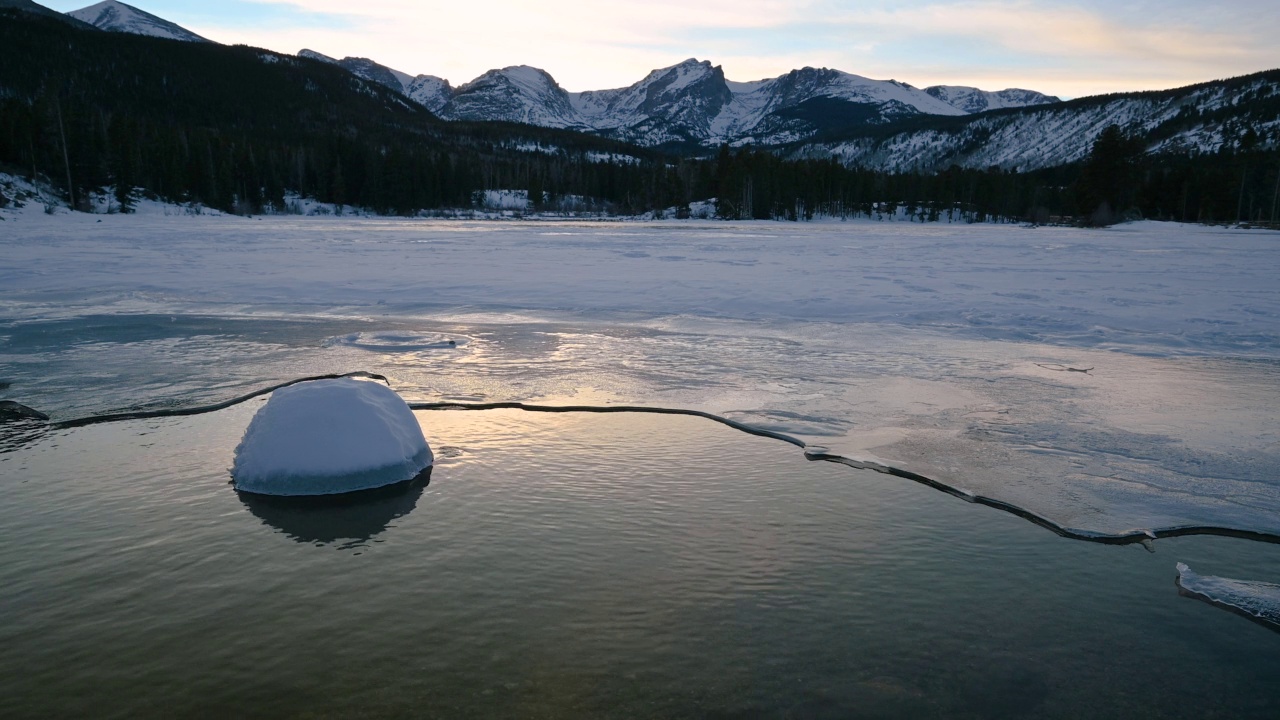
(114, 16)
(690, 103)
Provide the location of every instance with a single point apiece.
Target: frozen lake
(946, 350)
(1109, 381)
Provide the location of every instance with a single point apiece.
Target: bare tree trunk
(66, 158)
(1244, 176)
(1275, 199)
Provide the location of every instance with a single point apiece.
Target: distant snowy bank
(21, 198)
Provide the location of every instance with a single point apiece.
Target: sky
(1069, 49)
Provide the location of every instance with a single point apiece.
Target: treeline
(238, 128)
(1239, 183)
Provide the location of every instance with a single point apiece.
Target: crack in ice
(811, 452)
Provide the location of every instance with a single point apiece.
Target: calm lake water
(580, 565)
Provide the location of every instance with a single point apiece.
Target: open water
(583, 565)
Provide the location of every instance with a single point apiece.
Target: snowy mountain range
(119, 17)
(810, 112)
(690, 104)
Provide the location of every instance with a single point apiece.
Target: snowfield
(1111, 380)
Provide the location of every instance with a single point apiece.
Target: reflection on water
(350, 517)
(584, 566)
(18, 432)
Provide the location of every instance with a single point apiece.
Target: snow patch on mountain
(118, 17)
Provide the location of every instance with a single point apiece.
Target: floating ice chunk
(325, 437)
(1258, 601)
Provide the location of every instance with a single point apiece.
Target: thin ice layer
(1256, 600)
(330, 436)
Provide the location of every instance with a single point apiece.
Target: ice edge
(1138, 535)
(1249, 599)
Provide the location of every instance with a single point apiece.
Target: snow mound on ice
(1256, 600)
(326, 437)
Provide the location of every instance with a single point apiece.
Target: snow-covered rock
(326, 437)
(119, 17)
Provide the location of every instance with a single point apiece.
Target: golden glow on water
(584, 565)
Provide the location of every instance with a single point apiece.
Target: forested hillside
(235, 127)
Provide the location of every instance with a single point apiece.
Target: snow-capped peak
(682, 98)
(119, 17)
(518, 93)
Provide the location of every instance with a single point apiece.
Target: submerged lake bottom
(584, 565)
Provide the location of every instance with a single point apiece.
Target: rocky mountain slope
(1240, 113)
(119, 17)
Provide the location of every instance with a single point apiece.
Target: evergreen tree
(1105, 189)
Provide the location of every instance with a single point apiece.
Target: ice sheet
(947, 350)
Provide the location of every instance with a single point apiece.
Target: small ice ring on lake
(326, 437)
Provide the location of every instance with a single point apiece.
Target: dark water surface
(585, 566)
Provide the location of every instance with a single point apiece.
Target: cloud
(1070, 34)
(1064, 48)
(585, 45)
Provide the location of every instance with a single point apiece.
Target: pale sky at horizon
(1070, 49)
